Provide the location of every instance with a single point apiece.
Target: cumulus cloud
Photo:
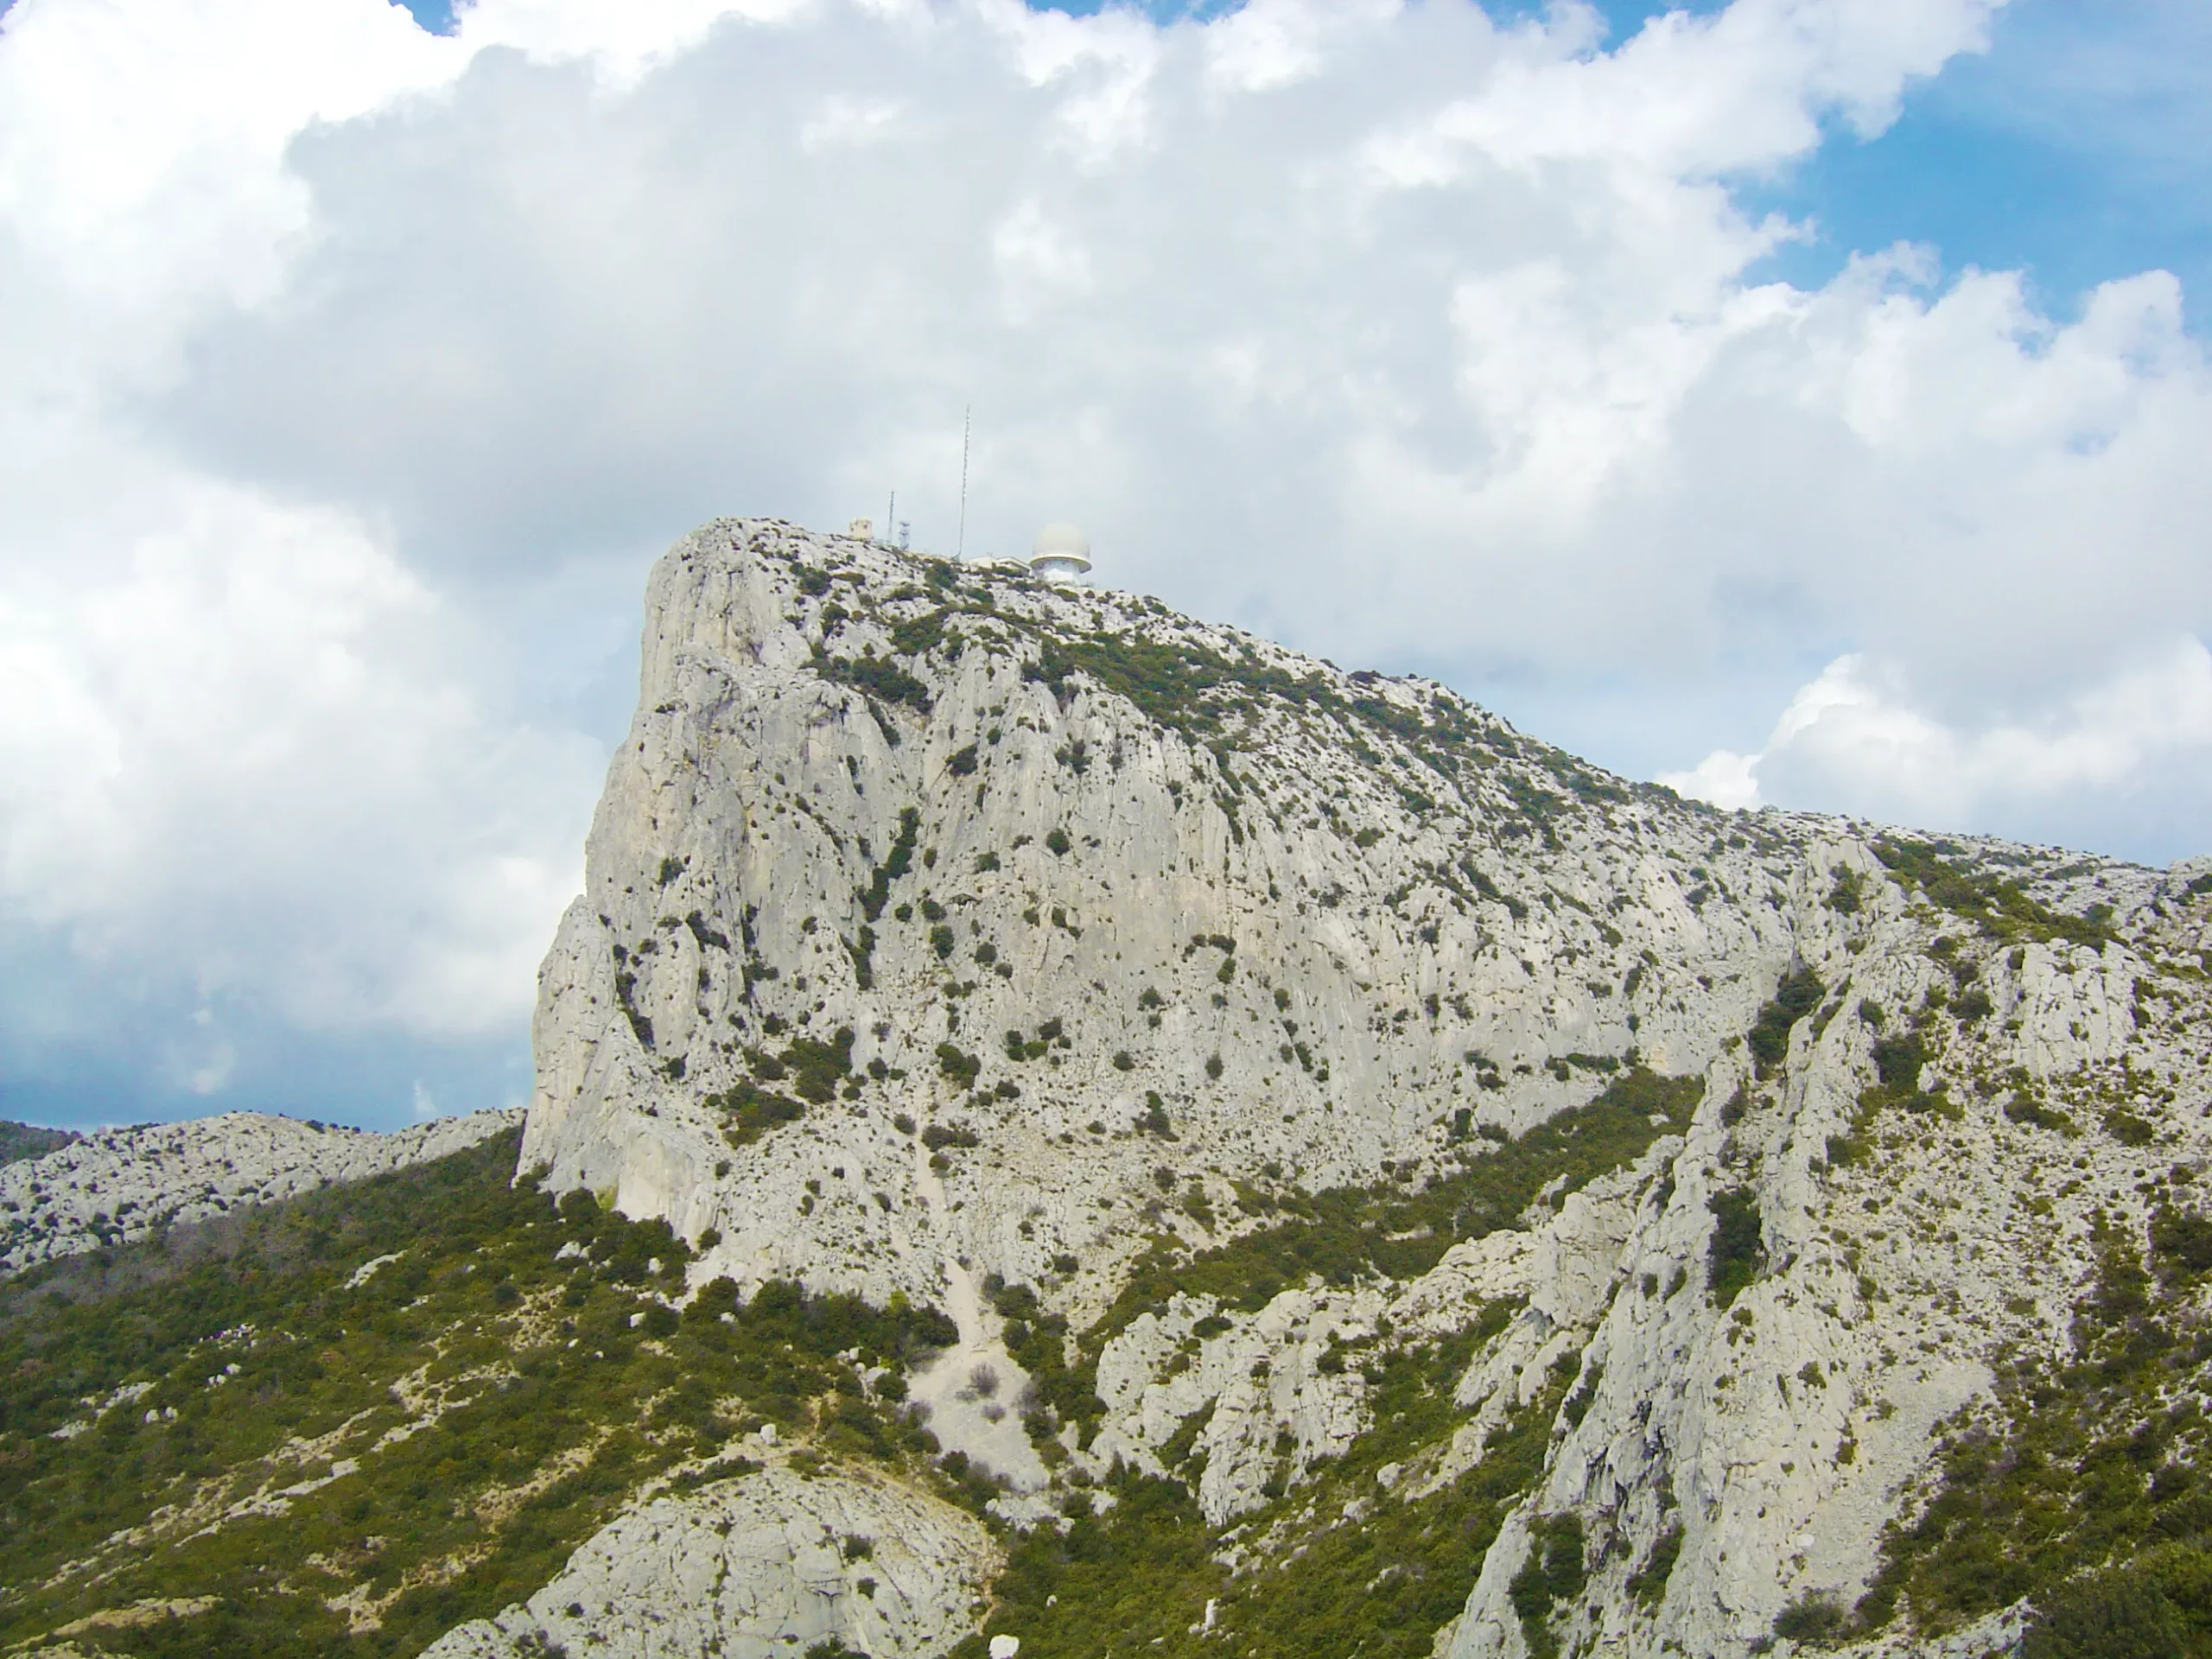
(1853, 740)
(1414, 334)
(250, 749)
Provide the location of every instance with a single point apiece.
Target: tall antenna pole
(890, 520)
(960, 548)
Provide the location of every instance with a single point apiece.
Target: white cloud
(249, 757)
(333, 347)
(1851, 740)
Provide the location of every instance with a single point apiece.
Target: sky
(1799, 402)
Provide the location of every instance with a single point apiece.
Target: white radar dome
(1060, 553)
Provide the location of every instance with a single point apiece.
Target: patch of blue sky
(437, 15)
(1160, 11)
(2077, 151)
(1622, 17)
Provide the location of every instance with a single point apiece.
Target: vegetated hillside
(345, 1423)
(1288, 1165)
(80, 1192)
(21, 1141)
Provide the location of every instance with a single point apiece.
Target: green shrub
(817, 1068)
(2181, 1243)
(1898, 1059)
(2111, 1616)
(2001, 907)
(1647, 1583)
(2128, 1130)
(1813, 1617)
(1734, 1253)
(1797, 996)
(19, 1141)
(752, 1111)
(878, 676)
(469, 1523)
(896, 863)
(1344, 1234)
(2079, 1491)
(1554, 1572)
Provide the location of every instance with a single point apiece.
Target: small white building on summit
(1060, 553)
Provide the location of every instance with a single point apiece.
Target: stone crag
(944, 931)
(1351, 1178)
(751, 1567)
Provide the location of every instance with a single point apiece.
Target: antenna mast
(960, 547)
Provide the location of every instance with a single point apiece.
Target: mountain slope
(78, 1193)
(1246, 1158)
(926, 904)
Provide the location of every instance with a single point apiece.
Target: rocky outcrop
(762, 1567)
(950, 936)
(120, 1184)
(1294, 918)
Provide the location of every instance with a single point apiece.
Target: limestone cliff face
(1292, 906)
(941, 928)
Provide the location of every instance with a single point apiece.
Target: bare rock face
(761, 1567)
(120, 1185)
(950, 936)
(1135, 871)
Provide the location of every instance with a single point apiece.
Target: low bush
(1734, 1253)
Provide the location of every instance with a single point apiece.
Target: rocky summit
(1058, 1120)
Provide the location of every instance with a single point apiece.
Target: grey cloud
(1413, 340)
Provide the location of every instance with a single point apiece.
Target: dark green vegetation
(878, 677)
(1734, 1253)
(21, 1141)
(1898, 1059)
(2001, 908)
(2084, 1487)
(1797, 996)
(1553, 1572)
(1346, 1234)
(1647, 1583)
(751, 1112)
(541, 1406)
(815, 1071)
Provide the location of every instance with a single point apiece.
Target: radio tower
(960, 546)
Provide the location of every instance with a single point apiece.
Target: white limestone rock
(761, 1567)
(1412, 937)
(1250, 922)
